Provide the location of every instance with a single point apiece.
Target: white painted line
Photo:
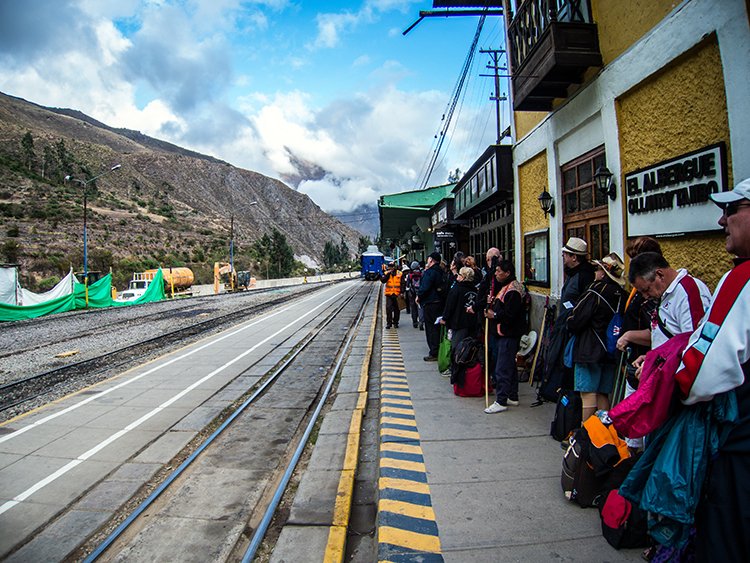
(60, 472)
(148, 372)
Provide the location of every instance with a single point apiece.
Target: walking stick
(486, 364)
(538, 347)
(620, 380)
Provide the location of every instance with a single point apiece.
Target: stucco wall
(532, 178)
(620, 24)
(680, 109)
(526, 120)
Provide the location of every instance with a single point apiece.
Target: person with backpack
(412, 285)
(635, 337)
(456, 314)
(717, 360)
(682, 298)
(429, 298)
(579, 274)
(593, 367)
(506, 310)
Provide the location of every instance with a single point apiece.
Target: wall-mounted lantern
(605, 183)
(547, 203)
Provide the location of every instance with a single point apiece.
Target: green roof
(399, 212)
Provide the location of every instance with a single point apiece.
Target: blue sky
(264, 84)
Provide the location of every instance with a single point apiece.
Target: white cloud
(175, 86)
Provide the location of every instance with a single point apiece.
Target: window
(586, 212)
(536, 258)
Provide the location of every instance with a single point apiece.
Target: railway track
(238, 461)
(15, 394)
(124, 542)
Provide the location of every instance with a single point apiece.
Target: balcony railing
(551, 43)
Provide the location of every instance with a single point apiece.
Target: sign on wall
(671, 197)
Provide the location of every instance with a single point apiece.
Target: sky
(268, 84)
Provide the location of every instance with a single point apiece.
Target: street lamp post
(231, 243)
(85, 184)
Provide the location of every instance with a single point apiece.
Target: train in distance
(372, 261)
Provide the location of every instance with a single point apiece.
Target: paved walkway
(494, 480)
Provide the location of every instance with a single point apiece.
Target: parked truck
(177, 283)
(231, 280)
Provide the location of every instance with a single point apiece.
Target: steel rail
(47, 381)
(262, 528)
(117, 532)
(184, 305)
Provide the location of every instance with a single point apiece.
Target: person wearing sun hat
(579, 273)
(594, 369)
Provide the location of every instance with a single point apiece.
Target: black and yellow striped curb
(407, 530)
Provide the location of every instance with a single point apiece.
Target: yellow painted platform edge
(336, 545)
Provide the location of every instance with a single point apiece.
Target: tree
(331, 255)
(364, 242)
(11, 250)
(343, 250)
(273, 254)
(283, 254)
(49, 162)
(27, 146)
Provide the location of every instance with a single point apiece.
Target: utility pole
(496, 97)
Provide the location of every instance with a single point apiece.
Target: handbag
(444, 351)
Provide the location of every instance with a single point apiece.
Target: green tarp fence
(99, 296)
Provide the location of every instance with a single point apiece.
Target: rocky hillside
(165, 204)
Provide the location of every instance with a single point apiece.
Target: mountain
(164, 205)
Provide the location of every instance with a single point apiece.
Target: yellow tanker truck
(177, 283)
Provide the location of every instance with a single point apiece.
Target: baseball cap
(740, 191)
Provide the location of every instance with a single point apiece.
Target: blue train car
(372, 263)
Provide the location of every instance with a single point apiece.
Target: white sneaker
(512, 403)
(495, 407)
(446, 373)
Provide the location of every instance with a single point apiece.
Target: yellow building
(654, 91)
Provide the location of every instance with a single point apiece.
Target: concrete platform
(494, 479)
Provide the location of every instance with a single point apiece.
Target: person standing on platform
(594, 370)
(506, 309)
(717, 360)
(428, 297)
(412, 285)
(579, 274)
(682, 298)
(394, 287)
(456, 314)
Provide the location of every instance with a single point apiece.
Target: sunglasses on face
(731, 209)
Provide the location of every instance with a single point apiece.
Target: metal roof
(399, 212)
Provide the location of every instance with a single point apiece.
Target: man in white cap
(579, 274)
(717, 360)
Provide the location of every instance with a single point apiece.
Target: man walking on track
(717, 360)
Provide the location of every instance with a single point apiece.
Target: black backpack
(567, 415)
(624, 525)
(466, 352)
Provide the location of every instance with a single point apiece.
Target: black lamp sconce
(547, 203)
(605, 182)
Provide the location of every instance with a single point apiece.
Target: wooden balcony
(552, 43)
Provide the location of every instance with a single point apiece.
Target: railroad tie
(407, 530)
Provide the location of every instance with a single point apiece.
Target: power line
(448, 116)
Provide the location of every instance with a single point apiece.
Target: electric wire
(448, 116)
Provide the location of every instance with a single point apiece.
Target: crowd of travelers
(690, 473)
